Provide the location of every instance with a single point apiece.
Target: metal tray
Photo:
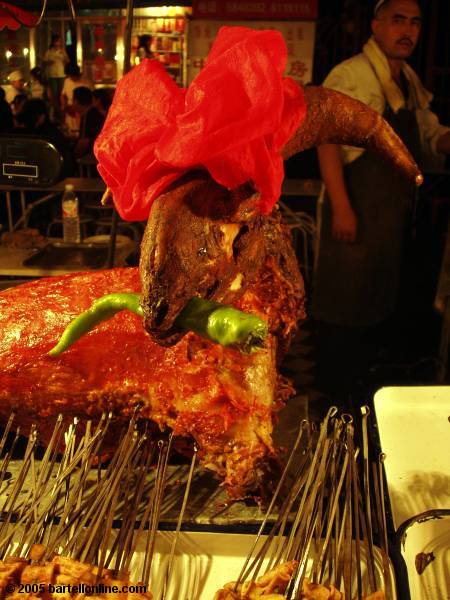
(60, 255)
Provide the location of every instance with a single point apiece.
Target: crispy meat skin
(224, 399)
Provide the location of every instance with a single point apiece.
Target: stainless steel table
(12, 259)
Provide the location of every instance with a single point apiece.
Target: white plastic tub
(414, 429)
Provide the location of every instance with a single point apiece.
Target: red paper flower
(233, 120)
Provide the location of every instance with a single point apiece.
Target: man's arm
(344, 222)
(435, 138)
(443, 143)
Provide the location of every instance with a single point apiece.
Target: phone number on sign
(81, 588)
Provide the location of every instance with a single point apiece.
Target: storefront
(96, 42)
(178, 36)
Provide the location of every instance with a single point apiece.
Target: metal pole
(9, 209)
(126, 68)
(128, 32)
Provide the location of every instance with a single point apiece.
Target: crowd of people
(57, 103)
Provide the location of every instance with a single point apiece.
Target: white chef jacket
(356, 78)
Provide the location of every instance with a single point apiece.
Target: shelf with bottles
(169, 58)
(161, 38)
(174, 34)
(166, 44)
(160, 26)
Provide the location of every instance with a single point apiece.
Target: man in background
(91, 121)
(368, 205)
(16, 86)
(54, 61)
(73, 80)
(6, 116)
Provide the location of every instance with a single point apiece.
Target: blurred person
(34, 120)
(102, 99)
(144, 47)
(73, 80)
(37, 85)
(16, 85)
(91, 121)
(34, 114)
(368, 205)
(6, 116)
(17, 104)
(55, 60)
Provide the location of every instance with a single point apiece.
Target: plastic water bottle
(71, 216)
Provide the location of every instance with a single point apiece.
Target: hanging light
(25, 51)
(8, 54)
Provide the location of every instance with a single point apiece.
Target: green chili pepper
(216, 322)
(101, 310)
(223, 324)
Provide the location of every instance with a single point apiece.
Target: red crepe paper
(233, 120)
(12, 17)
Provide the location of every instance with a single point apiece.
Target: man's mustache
(406, 39)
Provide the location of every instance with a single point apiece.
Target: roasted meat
(221, 398)
(204, 240)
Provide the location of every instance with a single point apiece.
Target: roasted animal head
(201, 240)
(204, 240)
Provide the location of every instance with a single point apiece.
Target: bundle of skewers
(322, 544)
(84, 518)
(73, 518)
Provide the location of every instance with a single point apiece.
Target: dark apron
(356, 284)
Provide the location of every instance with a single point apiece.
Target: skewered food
(63, 578)
(315, 591)
(270, 586)
(328, 508)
